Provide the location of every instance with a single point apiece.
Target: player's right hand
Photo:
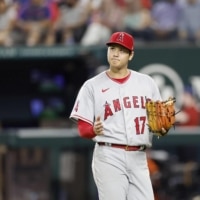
(98, 126)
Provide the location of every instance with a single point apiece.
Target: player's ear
(131, 55)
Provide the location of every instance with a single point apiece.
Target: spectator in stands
(8, 15)
(185, 1)
(189, 26)
(147, 4)
(113, 13)
(110, 16)
(73, 21)
(137, 20)
(54, 10)
(165, 14)
(97, 32)
(190, 113)
(35, 22)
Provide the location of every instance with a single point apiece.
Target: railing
(69, 137)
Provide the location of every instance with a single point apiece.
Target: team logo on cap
(120, 37)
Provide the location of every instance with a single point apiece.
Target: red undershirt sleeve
(85, 129)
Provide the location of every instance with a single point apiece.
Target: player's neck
(118, 74)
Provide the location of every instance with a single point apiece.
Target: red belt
(125, 147)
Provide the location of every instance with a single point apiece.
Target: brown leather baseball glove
(161, 116)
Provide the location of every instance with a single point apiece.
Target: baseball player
(110, 109)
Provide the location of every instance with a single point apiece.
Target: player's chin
(116, 65)
(115, 62)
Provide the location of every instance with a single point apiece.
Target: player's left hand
(98, 126)
(161, 116)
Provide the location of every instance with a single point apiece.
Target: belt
(122, 146)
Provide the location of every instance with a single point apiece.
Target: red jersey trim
(120, 80)
(77, 117)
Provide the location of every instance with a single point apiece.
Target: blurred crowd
(91, 22)
(189, 114)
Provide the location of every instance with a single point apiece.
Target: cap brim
(110, 43)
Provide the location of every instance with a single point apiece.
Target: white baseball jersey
(121, 107)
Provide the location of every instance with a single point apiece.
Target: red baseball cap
(122, 38)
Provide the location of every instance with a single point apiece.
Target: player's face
(118, 56)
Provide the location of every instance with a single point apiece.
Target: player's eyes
(120, 50)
